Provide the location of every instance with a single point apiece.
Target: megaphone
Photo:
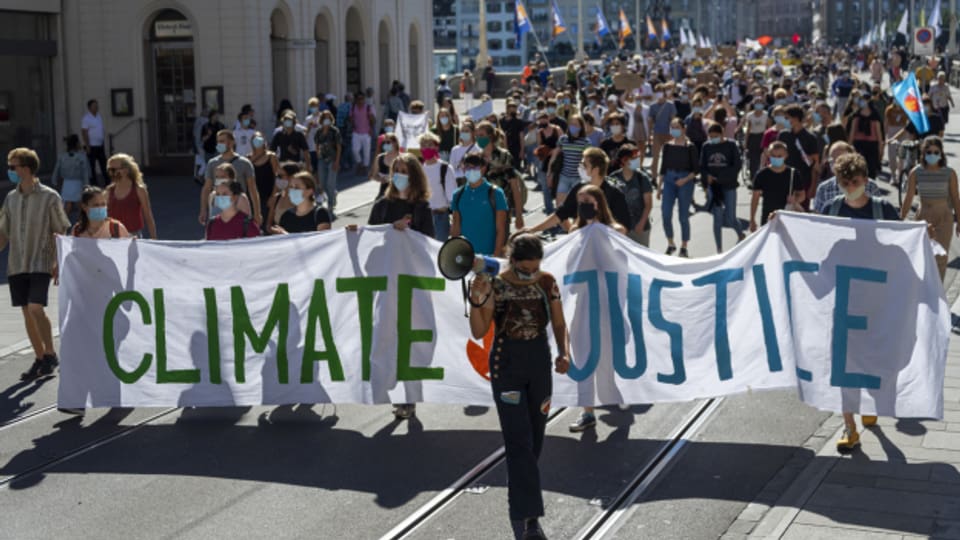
(457, 259)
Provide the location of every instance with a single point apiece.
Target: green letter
(364, 287)
(163, 375)
(109, 348)
(213, 335)
(406, 336)
(317, 312)
(242, 329)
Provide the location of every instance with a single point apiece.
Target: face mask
(758, 106)
(465, 136)
(781, 121)
(616, 129)
(13, 177)
(582, 172)
(861, 103)
(387, 147)
(288, 124)
(311, 110)
(676, 132)
(473, 176)
(566, 101)
(282, 183)
(856, 193)
(221, 148)
(222, 201)
(430, 153)
(574, 130)
(257, 142)
(635, 164)
(592, 103)
(777, 162)
(97, 213)
(296, 196)
(587, 211)
(444, 120)
(551, 110)
(218, 181)
(780, 102)
(327, 123)
(715, 140)
(401, 181)
(245, 122)
(932, 159)
(817, 118)
(697, 110)
(388, 129)
(482, 142)
(522, 276)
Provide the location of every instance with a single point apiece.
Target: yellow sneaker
(849, 440)
(869, 420)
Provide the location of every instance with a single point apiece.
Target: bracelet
(479, 304)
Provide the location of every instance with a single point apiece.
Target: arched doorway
(279, 30)
(354, 50)
(414, 84)
(172, 100)
(321, 33)
(383, 40)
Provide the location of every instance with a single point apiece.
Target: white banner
(409, 128)
(849, 312)
(481, 111)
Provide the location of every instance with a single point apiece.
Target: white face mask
(584, 175)
(855, 193)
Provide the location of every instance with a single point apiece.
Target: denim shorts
(566, 183)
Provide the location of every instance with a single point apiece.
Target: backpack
(875, 203)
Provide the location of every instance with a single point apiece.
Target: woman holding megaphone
(521, 302)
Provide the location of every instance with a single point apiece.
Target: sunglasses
(933, 153)
(12, 167)
(113, 170)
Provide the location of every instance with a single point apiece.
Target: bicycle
(908, 155)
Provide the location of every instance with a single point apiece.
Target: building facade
(845, 21)
(153, 65)
(781, 19)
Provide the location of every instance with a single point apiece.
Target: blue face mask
(97, 213)
(932, 159)
(781, 121)
(388, 129)
(635, 164)
(465, 137)
(311, 110)
(296, 196)
(401, 181)
(697, 110)
(387, 147)
(258, 142)
(715, 140)
(777, 162)
(221, 148)
(817, 118)
(245, 122)
(473, 175)
(222, 201)
(758, 106)
(675, 132)
(288, 124)
(13, 177)
(574, 130)
(551, 110)
(444, 120)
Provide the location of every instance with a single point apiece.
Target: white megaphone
(457, 259)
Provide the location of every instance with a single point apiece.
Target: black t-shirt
(615, 200)
(800, 145)
(936, 126)
(292, 223)
(391, 210)
(722, 160)
(611, 147)
(889, 212)
(633, 192)
(290, 146)
(557, 121)
(775, 187)
(513, 128)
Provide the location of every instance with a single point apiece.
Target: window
(495, 44)
(494, 26)
(494, 7)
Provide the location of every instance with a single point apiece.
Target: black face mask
(587, 211)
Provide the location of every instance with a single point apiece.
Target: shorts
(29, 289)
(566, 183)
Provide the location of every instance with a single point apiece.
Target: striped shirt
(572, 154)
(29, 222)
(933, 183)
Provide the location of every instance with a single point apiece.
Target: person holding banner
(521, 302)
(94, 222)
(380, 171)
(231, 223)
(306, 215)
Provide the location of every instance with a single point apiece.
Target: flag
(934, 19)
(692, 41)
(665, 35)
(603, 29)
(701, 41)
(709, 43)
(683, 37)
(625, 30)
(559, 26)
(651, 30)
(907, 94)
(795, 39)
(902, 27)
(521, 23)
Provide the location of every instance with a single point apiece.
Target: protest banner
(850, 313)
(481, 111)
(409, 128)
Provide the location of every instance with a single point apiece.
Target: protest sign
(851, 313)
(481, 111)
(409, 128)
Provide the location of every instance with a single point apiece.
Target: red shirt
(126, 210)
(239, 226)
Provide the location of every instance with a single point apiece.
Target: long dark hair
(935, 142)
(88, 194)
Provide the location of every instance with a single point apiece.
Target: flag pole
(581, 53)
(540, 46)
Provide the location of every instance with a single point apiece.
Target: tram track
(27, 416)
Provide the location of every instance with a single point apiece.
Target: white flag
(902, 28)
(934, 19)
(702, 42)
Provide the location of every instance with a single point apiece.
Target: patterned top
(521, 311)
(29, 222)
(933, 183)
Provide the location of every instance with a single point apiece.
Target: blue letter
(766, 317)
(843, 322)
(617, 337)
(593, 307)
(673, 329)
(720, 340)
(790, 267)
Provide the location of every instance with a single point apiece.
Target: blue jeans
(548, 207)
(682, 196)
(441, 226)
(327, 179)
(725, 216)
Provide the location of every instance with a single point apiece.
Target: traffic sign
(923, 38)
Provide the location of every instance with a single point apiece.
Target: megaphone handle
(463, 285)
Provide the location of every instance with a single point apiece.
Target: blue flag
(521, 22)
(603, 29)
(907, 94)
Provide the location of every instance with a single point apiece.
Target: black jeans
(96, 154)
(522, 386)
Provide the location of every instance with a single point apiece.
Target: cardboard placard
(727, 51)
(704, 52)
(626, 82)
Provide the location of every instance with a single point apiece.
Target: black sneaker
(671, 250)
(532, 530)
(34, 372)
(684, 253)
(49, 363)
